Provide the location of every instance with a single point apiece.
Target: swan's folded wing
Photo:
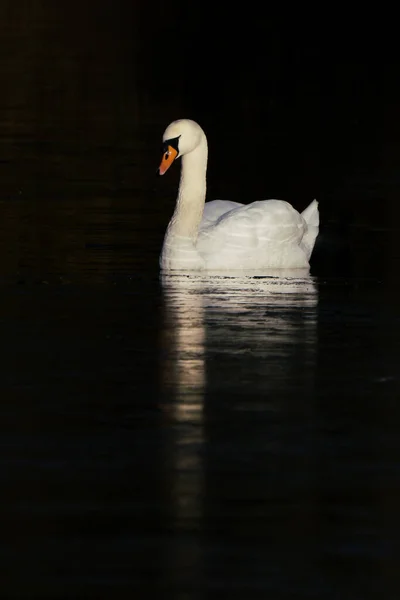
(253, 226)
(215, 209)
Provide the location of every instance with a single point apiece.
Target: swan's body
(221, 234)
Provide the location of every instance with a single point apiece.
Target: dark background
(288, 487)
(296, 104)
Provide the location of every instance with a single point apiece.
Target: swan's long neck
(191, 195)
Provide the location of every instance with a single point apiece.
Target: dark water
(190, 436)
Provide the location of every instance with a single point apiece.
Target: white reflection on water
(238, 314)
(246, 313)
(230, 335)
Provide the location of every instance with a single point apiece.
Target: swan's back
(234, 235)
(214, 209)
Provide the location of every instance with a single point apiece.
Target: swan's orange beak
(168, 158)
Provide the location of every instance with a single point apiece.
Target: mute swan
(222, 234)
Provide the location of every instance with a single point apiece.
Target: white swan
(222, 234)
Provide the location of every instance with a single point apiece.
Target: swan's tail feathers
(311, 217)
(311, 214)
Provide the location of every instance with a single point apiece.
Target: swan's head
(180, 137)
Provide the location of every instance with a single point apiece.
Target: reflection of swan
(229, 344)
(230, 291)
(222, 234)
(183, 363)
(262, 315)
